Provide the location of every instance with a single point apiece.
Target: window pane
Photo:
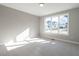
(48, 24)
(63, 24)
(55, 24)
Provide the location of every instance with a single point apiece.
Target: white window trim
(58, 23)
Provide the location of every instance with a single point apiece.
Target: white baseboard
(69, 41)
(74, 42)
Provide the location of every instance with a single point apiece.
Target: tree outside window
(57, 24)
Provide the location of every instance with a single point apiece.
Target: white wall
(13, 22)
(73, 26)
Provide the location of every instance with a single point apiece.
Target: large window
(48, 24)
(57, 24)
(63, 24)
(54, 25)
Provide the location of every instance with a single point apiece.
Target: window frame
(58, 24)
(68, 23)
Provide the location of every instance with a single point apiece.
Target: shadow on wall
(23, 39)
(13, 22)
(19, 38)
(22, 36)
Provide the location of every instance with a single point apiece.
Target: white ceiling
(35, 9)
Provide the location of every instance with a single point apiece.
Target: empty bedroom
(39, 29)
